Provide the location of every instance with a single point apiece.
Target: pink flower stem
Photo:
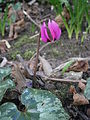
(36, 61)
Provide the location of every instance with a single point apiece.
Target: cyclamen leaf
(87, 89)
(40, 105)
(4, 72)
(6, 118)
(4, 85)
(17, 6)
(43, 105)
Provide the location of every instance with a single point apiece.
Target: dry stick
(42, 49)
(36, 61)
(29, 17)
(34, 36)
(64, 80)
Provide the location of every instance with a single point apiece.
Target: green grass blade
(66, 67)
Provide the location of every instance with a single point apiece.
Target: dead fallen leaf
(19, 23)
(73, 75)
(79, 99)
(31, 65)
(79, 66)
(46, 66)
(19, 77)
(11, 31)
(59, 19)
(88, 112)
(81, 86)
(3, 47)
(3, 62)
(16, 28)
(72, 89)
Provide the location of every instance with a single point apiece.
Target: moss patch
(13, 54)
(28, 54)
(23, 40)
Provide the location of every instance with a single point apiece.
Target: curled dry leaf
(59, 19)
(32, 65)
(3, 47)
(19, 77)
(88, 112)
(46, 66)
(72, 89)
(73, 75)
(11, 31)
(79, 66)
(3, 61)
(81, 86)
(16, 27)
(79, 99)
(17, 21)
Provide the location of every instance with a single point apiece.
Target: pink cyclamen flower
(54, 30)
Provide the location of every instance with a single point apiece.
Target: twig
(36, 61)
(37, 55)
(45, 45)
(31, 2)
(79, 58)
(64, 80)
(29, 17)
(34, 36)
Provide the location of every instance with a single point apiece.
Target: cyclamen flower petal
(54, 29)
(51, 29)
(44, 34)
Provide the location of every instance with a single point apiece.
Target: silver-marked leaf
(4, 85)
(9, 110)
(43, 105)
(6, 118)
(4, 72)
(87, 89)
(17, 6)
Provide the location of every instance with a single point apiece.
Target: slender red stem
(36, 61)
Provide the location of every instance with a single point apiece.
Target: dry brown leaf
(72, 89)
(3, 61)
(88, 112)
(3, 47)
(59, 19)
(19, 77)
(46, 66)
(16, 28)
(11, 31)
(81, 85)
(32, 64)
(19, 24)
(79, 99)
(79, 66)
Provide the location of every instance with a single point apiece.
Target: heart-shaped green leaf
(87, 89)
(4, 85)
(6, 118)
(4, 72)
(43, 105)
(40, 105)
(9, 110)
(17, 6)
